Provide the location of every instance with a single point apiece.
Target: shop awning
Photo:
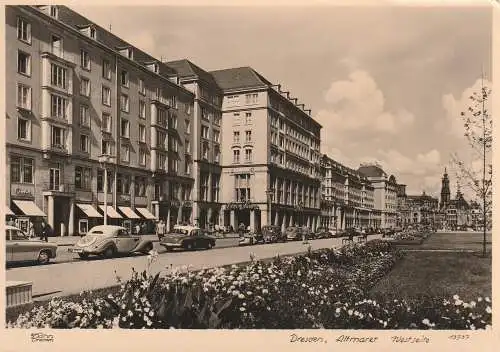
(111, 212)
(29, 208)
(89, 210)
(8, 211)
(129, 213)
(145, 212)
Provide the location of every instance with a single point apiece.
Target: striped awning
(129, 213)
(29, 208)
(89, 210)
(111, 212)
(146, 213)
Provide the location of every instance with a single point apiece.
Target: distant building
(423, 209)
(453, 213)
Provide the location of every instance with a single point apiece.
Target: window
(124, 103)
(23, 63)
(248, 155)
(215, 187)
(106, 122)
(106, 96)
(204, 150)
(83, 177)
(204, 177)
(174, 165)
(142, 157)
(83, 226)
(23, 96)
(140, 186)
(187, 167)
(142, 87)
(84, 116)
(124, 78)
(142, 133)
(125, 153)
(23, 129)
(23, 30)
(58, 76)
(248, 136)
(237, 118)
(125, 128)
(53, 11)
(248, 118)
(174, 145)
(100, 180)
(85, 87)
(58, 106)
(216, 136)
(242, 187)
(188, 108)
(161, 117)
(21, 169)
(236, 137)
(142, 109)
(204, 132)
(84, 143)
(236, 156)
(187, 146)
(57, 46)
(58, 140)
(106, 69)
(92, 32)
(85, 59)
(204, 114)
(188, 126)
(106, 148)
(161, 139)
(161, 161)
(216, 154)
(216, 120)
(251, 98)
(173, 120)
(172, 101)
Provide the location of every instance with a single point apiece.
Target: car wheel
(109, 252)
(83, 255)
(147, 249)
(43, 257)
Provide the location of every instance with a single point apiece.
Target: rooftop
(186, 68)
(239, 78)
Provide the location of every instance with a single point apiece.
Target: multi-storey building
(385, 193)
(348, 197)
(270, 155)
(205, 152)
(423, 209)
(81, 101)
(403, 210)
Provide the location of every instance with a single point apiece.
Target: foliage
(326, 288)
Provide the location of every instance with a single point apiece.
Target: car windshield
(180, 231)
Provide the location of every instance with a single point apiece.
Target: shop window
(83, 226)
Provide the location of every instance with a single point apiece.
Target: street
(72, 277)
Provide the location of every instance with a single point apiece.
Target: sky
(387, 83)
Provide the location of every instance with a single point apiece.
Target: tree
(478, 124)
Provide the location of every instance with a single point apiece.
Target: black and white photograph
(306, 168)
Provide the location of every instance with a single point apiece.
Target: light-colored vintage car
(187, 237)
(20, 248)
(110, 240)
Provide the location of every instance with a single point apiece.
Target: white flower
(305, 310)
(472, 304)
(487, 299)
(265, 291)
(426, 321)
(337, 310)
(350, 312)
(242, 309)
(456, 297)
(241, 296)
(488, 310)
(479, 299)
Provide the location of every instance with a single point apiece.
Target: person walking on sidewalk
(46, 231)
(160, 230)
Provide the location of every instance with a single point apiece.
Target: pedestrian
(304, 235)
(160, 230)
(144, 228)
(31, 230)
(137, 229)
(46, 231)
(11, 222)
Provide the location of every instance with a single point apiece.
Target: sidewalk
(66, 241)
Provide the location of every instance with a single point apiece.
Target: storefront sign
(22, 191)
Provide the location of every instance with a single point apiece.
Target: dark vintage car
(322, 232)
(293, 233)
(20, 248)
(110, 240)
(349, 232)
(272, 233)
(249, 238)
(188, 238)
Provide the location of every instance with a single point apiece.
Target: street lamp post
(104, 160)
(270, 194)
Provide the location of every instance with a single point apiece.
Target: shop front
(87, 217)
(24, 208)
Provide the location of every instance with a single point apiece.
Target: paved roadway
(75, 276)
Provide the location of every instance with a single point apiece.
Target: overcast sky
(386, 83)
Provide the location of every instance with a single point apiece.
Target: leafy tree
(478, 124)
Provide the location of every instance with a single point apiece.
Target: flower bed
(408, 238)
(321, 289)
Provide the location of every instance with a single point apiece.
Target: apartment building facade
(205, 151)
(270, 156)
(81, 101)
(348, 197)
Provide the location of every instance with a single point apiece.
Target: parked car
(20, 248)
(187, 237)
(309, 235)
(293, 233)
(109, 241)
(323, 232)
(250, 238)
(272, 233)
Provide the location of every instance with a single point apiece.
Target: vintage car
(293, 233)
(110, 240)
(20, 248)
(272, 234)
(187, 237)
(250, 238)
(322, 232)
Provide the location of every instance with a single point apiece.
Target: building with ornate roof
(453, 213)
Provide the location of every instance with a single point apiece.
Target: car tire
(43, 257)
(83, 255)
(109, 252)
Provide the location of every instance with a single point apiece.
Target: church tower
(445, 190)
